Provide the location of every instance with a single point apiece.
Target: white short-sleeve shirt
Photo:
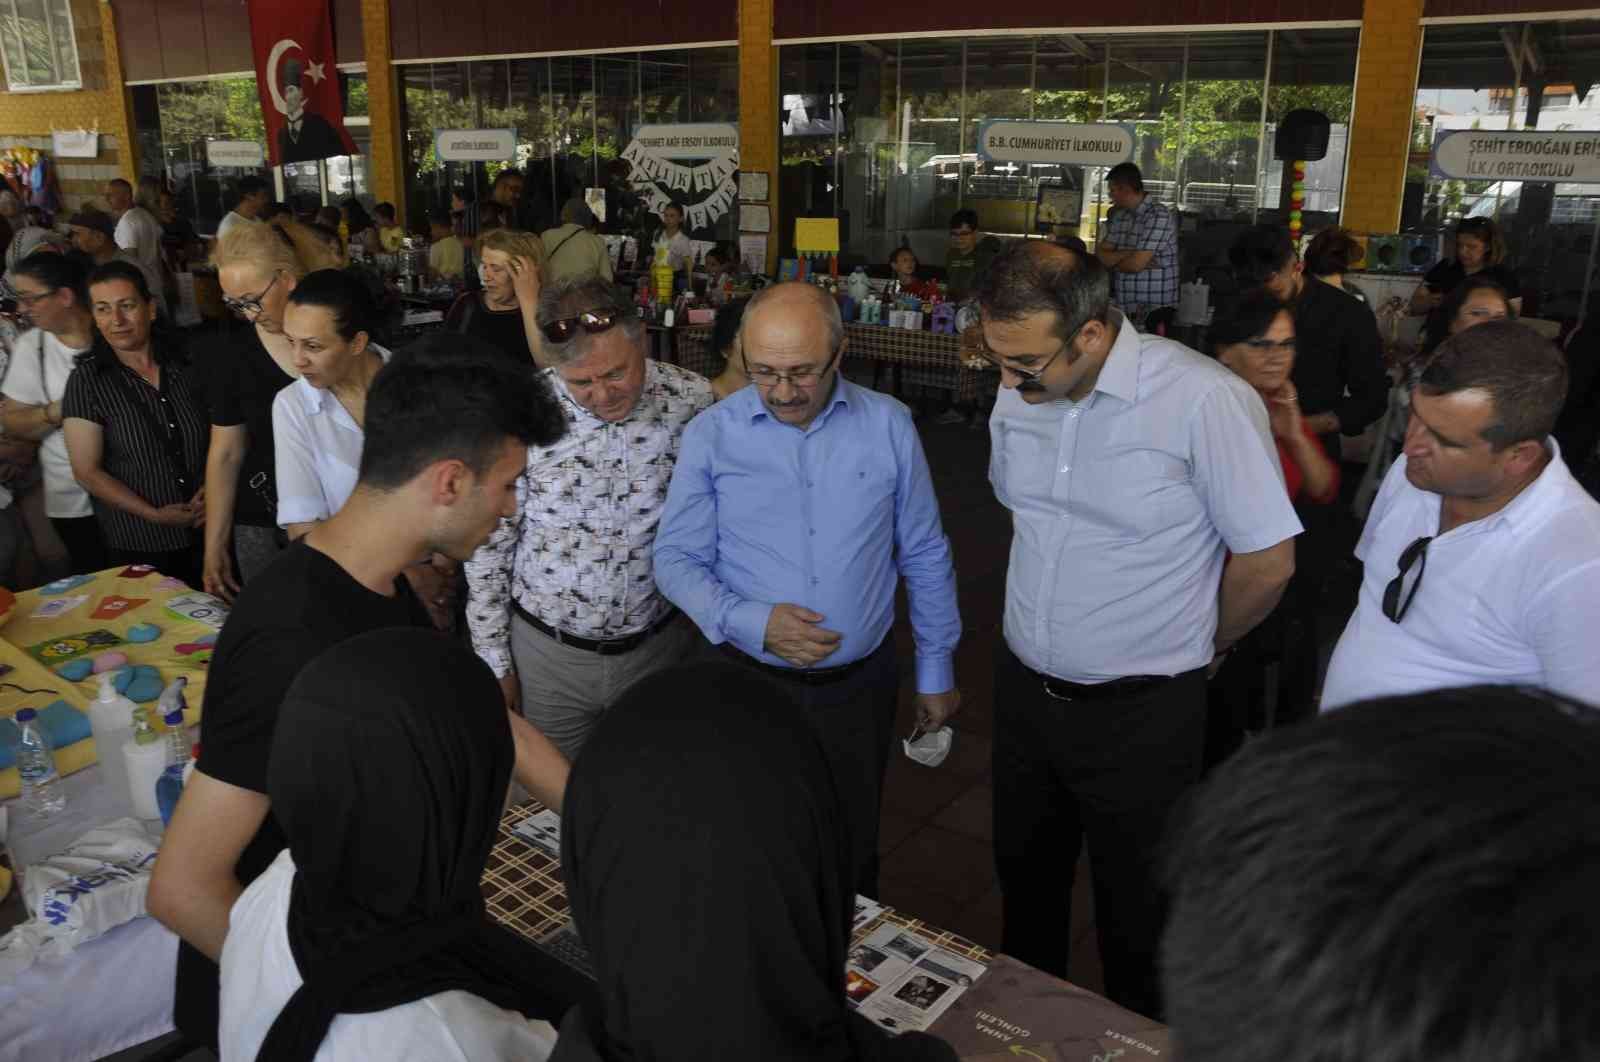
(317, 449)
(259, 975)
(1511, 598)
(1124, 506)
(140, 233)
(36, 381)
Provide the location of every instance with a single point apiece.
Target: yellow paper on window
(816, 235)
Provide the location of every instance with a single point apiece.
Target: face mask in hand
(929, 749)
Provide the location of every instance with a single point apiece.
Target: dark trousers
(186, 564)
(854, 717)
(85, 547)
(1110, 770)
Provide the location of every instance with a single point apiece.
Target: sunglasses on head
(592, 321)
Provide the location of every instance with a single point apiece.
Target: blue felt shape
(61, 586)
(63, 724)
(76, 670)
(143, 632)
(140, 683)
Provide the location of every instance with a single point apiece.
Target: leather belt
(606, 647)
(1132, 686)
(811, 676)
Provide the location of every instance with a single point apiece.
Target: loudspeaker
(1385, 253)
(1421, 253)
(1302, 135)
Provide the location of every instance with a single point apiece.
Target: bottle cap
(173, 718)
(108, 692)
(27, 715)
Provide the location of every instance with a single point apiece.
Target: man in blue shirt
(796, 506)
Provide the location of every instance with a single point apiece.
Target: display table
(922, 358)
(80, 618)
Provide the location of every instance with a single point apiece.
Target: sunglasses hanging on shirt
(1396, 599)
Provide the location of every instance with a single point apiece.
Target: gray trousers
(566, 690)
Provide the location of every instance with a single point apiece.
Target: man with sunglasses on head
(1482, 551)
(562, 600)
(1132, 466)
(797, 506)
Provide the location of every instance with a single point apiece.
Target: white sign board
(75, 145)
(689, 140)
(1488, 155)
(245, 154)
(475, 145)
(1064, 143)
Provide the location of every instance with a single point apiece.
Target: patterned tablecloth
(920, 358)
(63, 627)
(523, 891)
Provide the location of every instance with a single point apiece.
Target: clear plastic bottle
(42, 792)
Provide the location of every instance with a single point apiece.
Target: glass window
(1217, 148)
(999, 85)
(37, 44)
(1469, 79)
(1312, 70)
(810, 112)
(177, 119)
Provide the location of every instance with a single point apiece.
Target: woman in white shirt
(367, 938)
(317, 420)
(680, 249)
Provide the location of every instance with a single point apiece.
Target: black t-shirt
(242, 381)
(502, 329)
(1338, 350)
(1446, 277)
(302, 605)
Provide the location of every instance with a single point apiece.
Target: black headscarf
(389, 769)
(708, 865)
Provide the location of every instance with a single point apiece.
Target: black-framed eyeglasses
(1396, 599)
(762, 376)
(250, 305)
(592, 321)
(26, 301)
(1029, 377)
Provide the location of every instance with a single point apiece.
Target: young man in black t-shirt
(448, 424)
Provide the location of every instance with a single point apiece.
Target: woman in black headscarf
(367, 938)
(708, 864)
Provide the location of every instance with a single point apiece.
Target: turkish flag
(297, 79)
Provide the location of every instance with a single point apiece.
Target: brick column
(1380, 129)
(386, 164)
(758, 104)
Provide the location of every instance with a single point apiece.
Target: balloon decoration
(1297, 200)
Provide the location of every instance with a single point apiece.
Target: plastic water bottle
(42, 793)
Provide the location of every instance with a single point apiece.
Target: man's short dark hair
(1127, 175)
(967, 218)
(1034, 276)
(55, 271)
(1412, 879)
(1331, 252)
(506, 175)
(119, 182)
(451, 396)
(1258, 252)
(1523, 374)
(249, 186)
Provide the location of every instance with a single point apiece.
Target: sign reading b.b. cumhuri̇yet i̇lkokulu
(1524, 155)
(1059, 143)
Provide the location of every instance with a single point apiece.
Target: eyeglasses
(591, 321)
(765, 377)
(1029, 377)
(250, 305)
(1395, 599)
(1267, 346)
(27, 301)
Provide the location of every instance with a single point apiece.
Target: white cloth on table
(317, 451)
(259, 975)
(1511, 598)
(1124, 506)
(37, 380)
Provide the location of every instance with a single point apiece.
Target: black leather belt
(607, 647)
(810, 676)
(1062, 690)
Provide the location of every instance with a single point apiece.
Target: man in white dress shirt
(138, 232)
(562, 600)
(1132, 466)
(1482, 552)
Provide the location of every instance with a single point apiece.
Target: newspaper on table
(902, 982)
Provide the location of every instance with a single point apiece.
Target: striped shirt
(135, 419)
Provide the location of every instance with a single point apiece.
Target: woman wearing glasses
(1480, 251)
(1257, 342)
(505, 313)
(258, 270)
(135, 429)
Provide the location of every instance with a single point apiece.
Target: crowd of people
(521, 552)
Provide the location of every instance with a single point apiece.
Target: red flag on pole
(297, 80)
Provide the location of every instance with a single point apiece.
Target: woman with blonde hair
(257, 266)
(511, 266)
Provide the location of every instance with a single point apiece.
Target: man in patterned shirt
(1140, 246)
(562, 601)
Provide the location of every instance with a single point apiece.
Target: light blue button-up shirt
(762, 513)
(1124, 506)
